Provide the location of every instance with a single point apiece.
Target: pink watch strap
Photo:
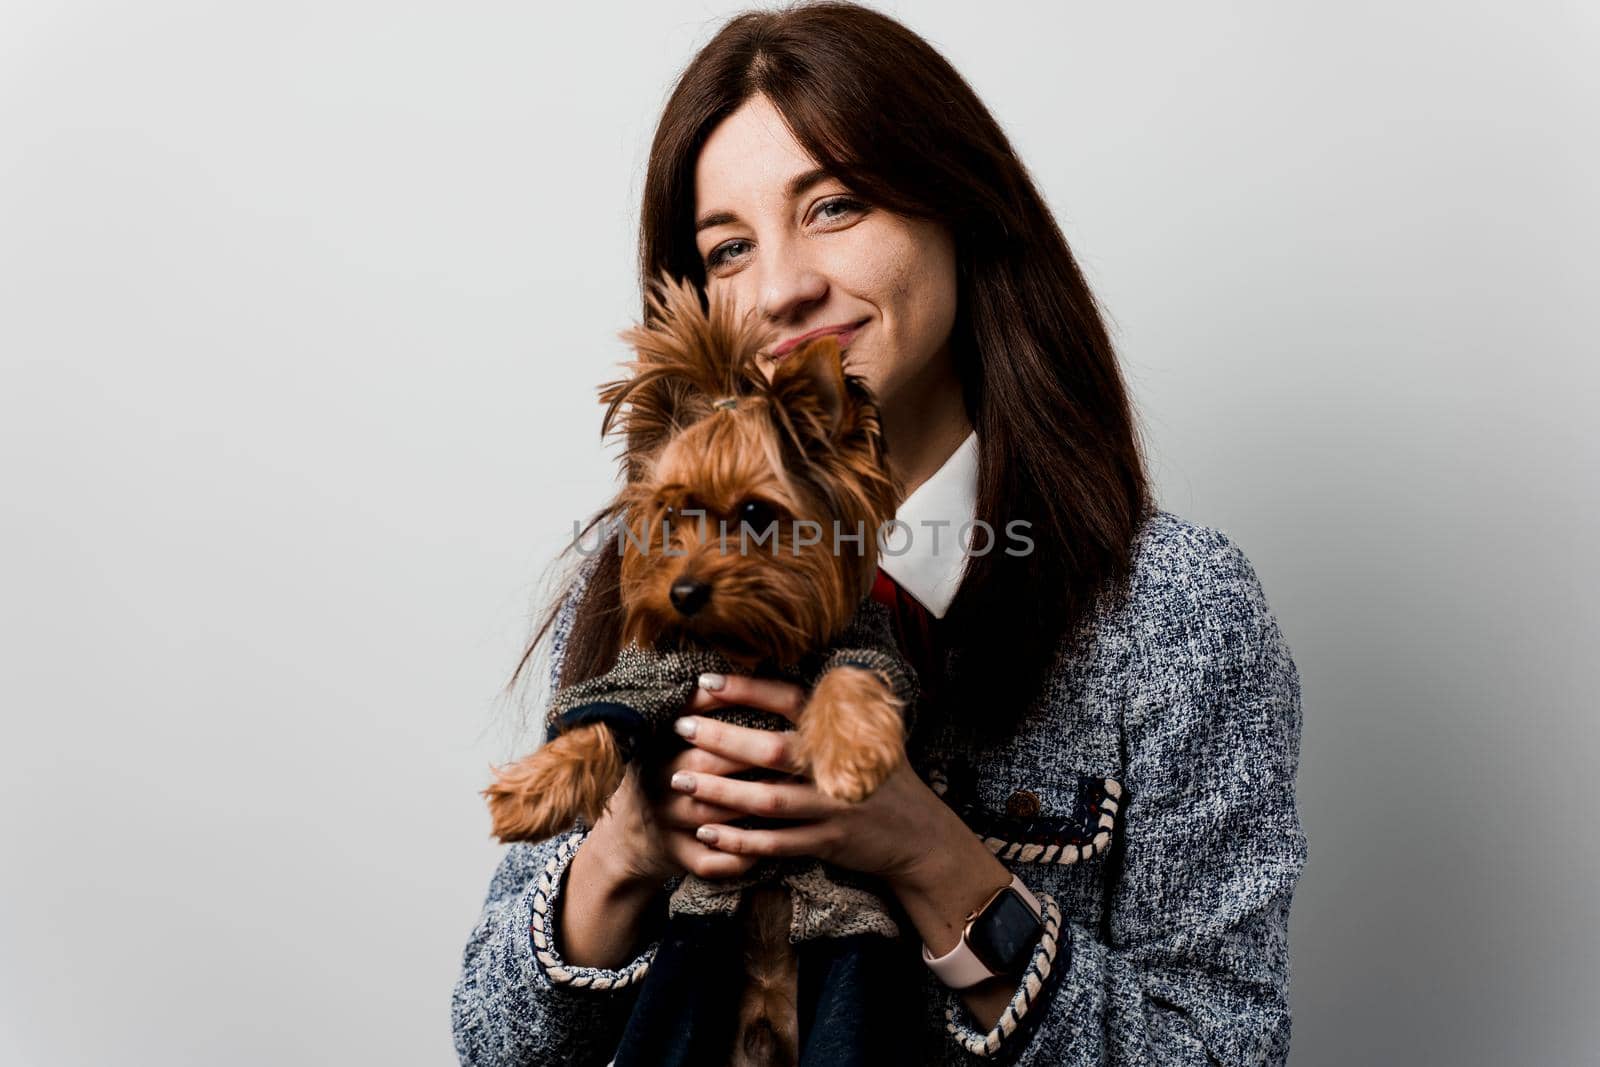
(960, 968)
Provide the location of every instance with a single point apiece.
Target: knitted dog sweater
(647, 689)
(641, 695)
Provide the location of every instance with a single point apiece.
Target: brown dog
(737, 473)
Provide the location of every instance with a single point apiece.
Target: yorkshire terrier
(748, 478)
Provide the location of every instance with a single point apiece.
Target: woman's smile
(844, 331)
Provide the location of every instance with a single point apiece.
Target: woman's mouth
(844, 333)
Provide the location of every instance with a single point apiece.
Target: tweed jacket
(1180, 717)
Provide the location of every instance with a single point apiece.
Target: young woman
(1094, 834)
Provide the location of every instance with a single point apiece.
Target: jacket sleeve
(517, 1003)
(1191, 965)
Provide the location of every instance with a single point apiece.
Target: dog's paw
(526, 801)
(851, 733)
(570, 778)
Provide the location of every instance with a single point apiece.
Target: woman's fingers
(699, 761)
(680, 812)
(766, 694)
(773, 800)
(772, 749)
(805, 839)
(704, 861)
(719, 750)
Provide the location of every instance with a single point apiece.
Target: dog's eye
(757, 514)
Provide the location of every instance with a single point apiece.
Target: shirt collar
(923, 552)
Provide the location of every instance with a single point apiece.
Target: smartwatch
(998, 939)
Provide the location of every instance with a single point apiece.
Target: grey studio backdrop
(302, 307)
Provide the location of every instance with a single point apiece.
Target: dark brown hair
(885, 113)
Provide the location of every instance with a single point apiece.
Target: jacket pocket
(1080, 822)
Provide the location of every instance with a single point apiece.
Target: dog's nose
(689, 595)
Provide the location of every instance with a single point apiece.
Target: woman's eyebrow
(797, 186)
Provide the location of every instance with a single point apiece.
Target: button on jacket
(1177, 724)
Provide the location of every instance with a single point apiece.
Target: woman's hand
(648, 831)
(903, 832)
(900, 833)
(645, 836)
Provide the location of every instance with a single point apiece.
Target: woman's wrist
(613, 863)
(602, 908)
(953, 875)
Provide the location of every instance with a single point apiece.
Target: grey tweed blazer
(1177, 726)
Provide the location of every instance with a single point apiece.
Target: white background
(302, 307)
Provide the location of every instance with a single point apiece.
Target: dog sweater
(641, 695)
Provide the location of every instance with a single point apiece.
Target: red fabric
(885, 590)
(915, 628)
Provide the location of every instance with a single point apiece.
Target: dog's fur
(707, 430)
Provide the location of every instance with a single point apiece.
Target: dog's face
(751, 527)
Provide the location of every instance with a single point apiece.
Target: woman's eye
(838, 207)
(720, 254)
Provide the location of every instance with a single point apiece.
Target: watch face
(1004, 936)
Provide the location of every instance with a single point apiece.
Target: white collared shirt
(924, 554)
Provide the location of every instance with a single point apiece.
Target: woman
(828, 168)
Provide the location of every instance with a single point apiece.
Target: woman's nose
(788, 289)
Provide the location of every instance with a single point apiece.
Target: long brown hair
(884, 112)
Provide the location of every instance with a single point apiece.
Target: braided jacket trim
(557, 970)
(1030, 990)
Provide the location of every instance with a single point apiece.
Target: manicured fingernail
(712, 682)
(683, 782)
(708, 834)
(685, 727)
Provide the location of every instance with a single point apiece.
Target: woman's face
(796, 245)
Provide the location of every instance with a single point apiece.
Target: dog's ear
(808, 389)
(828, 425)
